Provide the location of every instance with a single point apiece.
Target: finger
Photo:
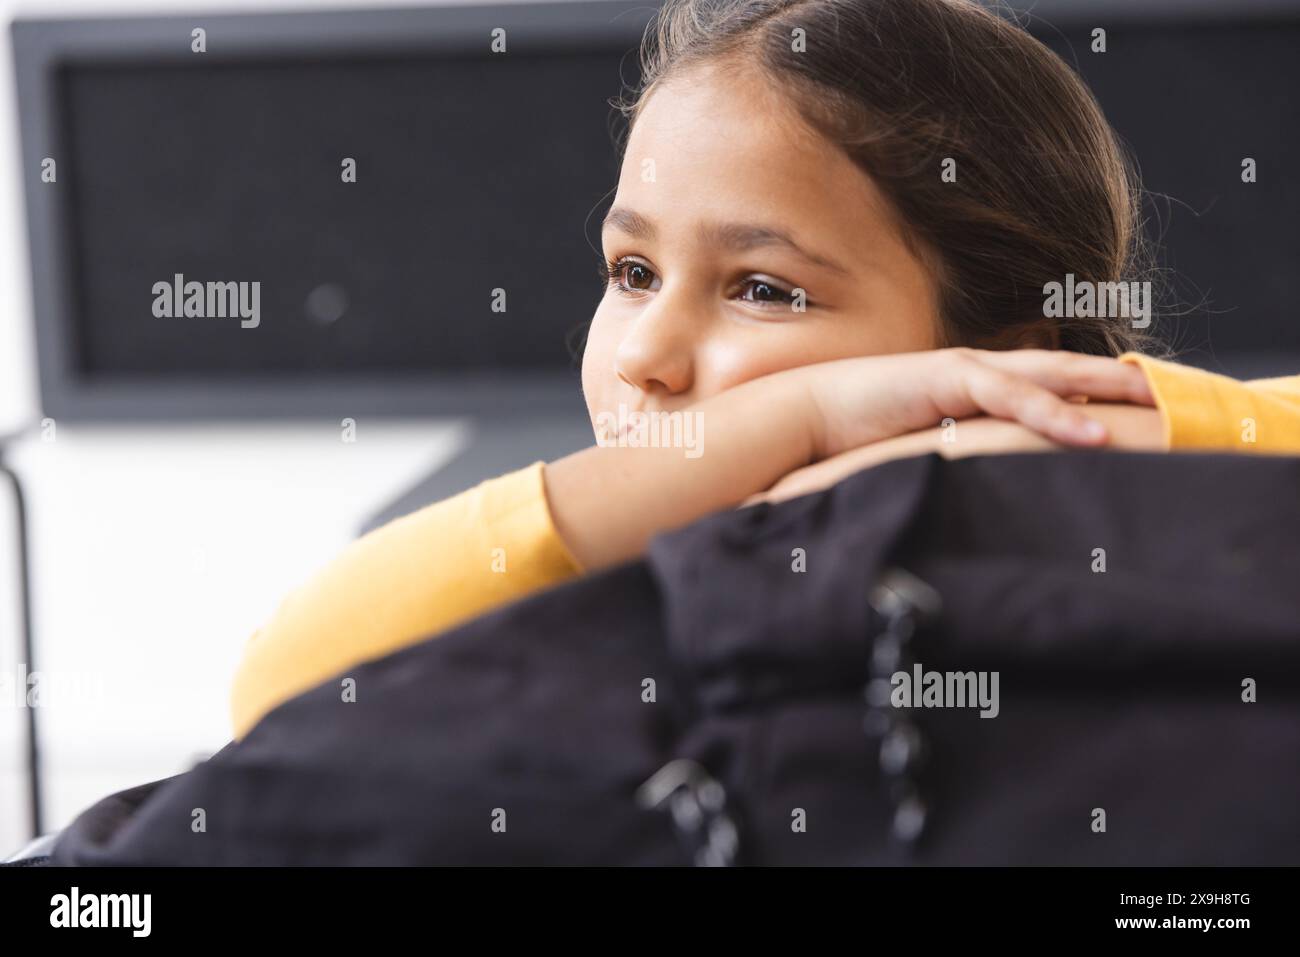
(1069, 373)
(1065, 373)
(1019, 399)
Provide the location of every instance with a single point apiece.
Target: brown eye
(759, 291)
(637, 274)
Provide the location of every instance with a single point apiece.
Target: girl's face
(726, 205)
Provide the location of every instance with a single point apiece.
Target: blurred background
(418, 321)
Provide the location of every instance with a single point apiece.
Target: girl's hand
(607, 502)
(856, 402)
(1132, 428)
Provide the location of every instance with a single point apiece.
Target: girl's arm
(608, 502)
(511, 536)
(415, 576)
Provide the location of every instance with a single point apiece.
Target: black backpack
(1077, 658)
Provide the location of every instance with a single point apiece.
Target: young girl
(832, 231)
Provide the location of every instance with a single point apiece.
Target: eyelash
(614, 268)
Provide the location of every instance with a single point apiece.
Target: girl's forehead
(713, 106)
(715, 145)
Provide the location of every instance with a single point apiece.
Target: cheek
(599, 381)
(728, 360)
(743, 353)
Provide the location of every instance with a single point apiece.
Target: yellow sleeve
(413, 577)
(1205, 411)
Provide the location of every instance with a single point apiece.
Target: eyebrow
(734, 236)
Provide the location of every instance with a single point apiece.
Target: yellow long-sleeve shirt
(497, 542)
(1211, 412)
(414, 576)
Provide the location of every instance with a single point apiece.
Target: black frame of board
(42, 47)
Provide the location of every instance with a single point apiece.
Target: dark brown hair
(1043, 187)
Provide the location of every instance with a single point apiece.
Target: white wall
(157, 551)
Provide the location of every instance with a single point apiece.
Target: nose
(657, 353)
